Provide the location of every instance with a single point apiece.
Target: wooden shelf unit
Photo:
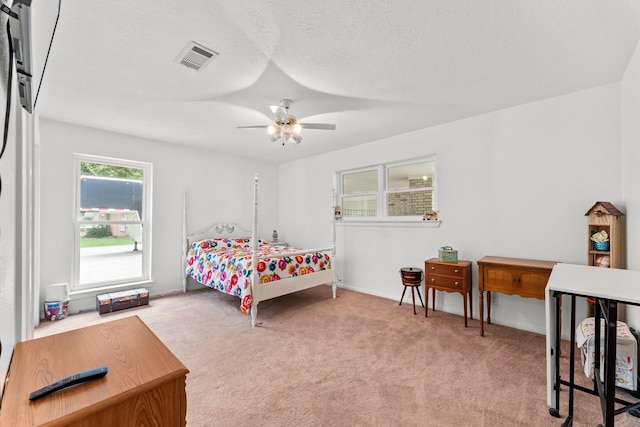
(605, 216)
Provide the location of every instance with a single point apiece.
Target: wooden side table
(145, 384)
(512, 276)
(448, 277)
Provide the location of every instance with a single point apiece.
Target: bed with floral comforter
(225, 264)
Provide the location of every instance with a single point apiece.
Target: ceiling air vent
(196, 56)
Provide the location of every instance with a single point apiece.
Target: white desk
(609, 286)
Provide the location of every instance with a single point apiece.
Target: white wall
(219, 187)
(515, 183)
(9, 286)
(630, 89)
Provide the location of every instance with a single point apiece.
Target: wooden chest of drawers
(145, 385)
(512, 276)
(449, 277)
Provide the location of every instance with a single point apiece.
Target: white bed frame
(260, 291)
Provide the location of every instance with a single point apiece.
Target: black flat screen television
(23, 28)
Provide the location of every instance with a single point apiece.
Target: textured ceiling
(374, 68)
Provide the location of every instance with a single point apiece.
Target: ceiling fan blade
(325, 126)
(254, 127)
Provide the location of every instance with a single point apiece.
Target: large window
(112, 222)
(400, 190)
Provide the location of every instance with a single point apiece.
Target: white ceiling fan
(285, 126)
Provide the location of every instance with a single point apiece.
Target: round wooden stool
(412, 277)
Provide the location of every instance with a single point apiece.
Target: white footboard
(265, 291)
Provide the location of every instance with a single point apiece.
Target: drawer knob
(456, 270)
(433, 268)
(456, 283)
(433, 280)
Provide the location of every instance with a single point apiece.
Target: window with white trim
(403, 190)
(112, 218)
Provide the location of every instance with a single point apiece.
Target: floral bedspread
(225, 265)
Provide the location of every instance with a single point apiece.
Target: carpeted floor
(358, 360)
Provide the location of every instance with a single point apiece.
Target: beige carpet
(358, 360)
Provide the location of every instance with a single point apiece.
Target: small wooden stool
(412, 277)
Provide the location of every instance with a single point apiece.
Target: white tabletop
(598, 282)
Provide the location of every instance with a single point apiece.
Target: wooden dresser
(145, 384)
(512, 276)
(449, 277)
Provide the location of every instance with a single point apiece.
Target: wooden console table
(145, 384)
(449, 277)
(512, 276)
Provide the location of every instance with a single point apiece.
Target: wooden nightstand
(448, 277)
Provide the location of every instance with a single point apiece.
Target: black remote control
(80, 377)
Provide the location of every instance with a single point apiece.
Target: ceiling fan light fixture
(285, 126)
(293, 138)
(275, 136)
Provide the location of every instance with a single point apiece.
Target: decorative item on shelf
(600, 241)
(602, 261)
(430, 216)
(337, 212)
(447, 254)
(274, 236)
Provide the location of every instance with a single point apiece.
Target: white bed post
(334, 285)
(254, 254)
(185, 242)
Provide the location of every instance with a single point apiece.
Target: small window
(410, 189)
(360, 193)
(400, 190)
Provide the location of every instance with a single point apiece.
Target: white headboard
(219, 229)
(213, 230)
